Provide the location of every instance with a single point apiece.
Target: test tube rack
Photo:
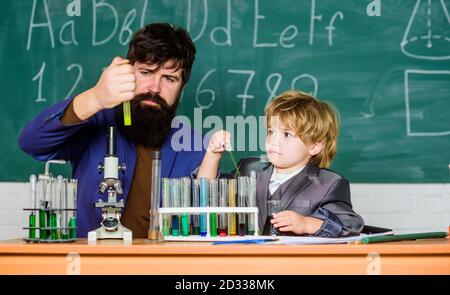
(51, 219)
(208, 210)
(53, 234)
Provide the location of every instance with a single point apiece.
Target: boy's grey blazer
(305, 193)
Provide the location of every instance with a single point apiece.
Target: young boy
(301, 143)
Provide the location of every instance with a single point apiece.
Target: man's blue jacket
(84, 145)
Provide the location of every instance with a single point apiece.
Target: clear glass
(155, 199)
(165, 182)
(251, 201)
(232, 187)
(273, 206)
(242, 199)
(223, 202)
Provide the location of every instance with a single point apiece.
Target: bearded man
(152, 77)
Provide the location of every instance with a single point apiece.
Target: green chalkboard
(387, 71)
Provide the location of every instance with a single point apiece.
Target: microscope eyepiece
(111, 142)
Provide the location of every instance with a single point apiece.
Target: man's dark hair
(158, 43)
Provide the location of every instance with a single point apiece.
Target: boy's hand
(292, 221)
(220, 142)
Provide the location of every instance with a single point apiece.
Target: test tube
(232, 203)
(166, 204)
(175, 194)
(54, 197)
(213, 202)
(223, 201)
(251, 201)
(32, 216)
(273, 206)
(64, 232)
(42, 190)
(126, 113)
(196, 203)
(72, 198)
(242, 196)
(186, 203)
(154, 233)
(203, 203)
(60, 207)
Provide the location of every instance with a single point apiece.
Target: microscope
(111, 228)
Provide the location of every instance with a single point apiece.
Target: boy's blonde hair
(312, 120)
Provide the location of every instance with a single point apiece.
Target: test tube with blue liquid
(204, 196)
(196, 203)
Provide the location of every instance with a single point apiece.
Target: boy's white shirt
(277, 179)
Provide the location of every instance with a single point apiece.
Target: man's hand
(292, 221)
(116, 85)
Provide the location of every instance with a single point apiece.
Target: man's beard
(150, 125)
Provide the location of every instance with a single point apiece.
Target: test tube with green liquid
(126, 113)
(43, 203)
(48, 206)
(213, 202)
(186, 203)
(53, 218)
(72, 225)
(60, 207)
(64, 212)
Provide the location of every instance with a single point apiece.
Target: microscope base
(122, 233)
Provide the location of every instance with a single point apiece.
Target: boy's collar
(310, 169)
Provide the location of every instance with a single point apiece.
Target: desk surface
(430, 256)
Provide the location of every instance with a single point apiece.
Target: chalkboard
(385, 65)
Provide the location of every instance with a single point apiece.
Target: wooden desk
(143, 257)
